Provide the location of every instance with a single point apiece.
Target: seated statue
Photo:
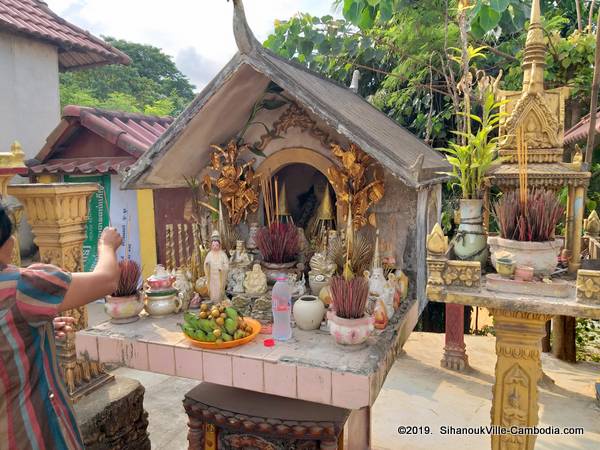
(255, 282)
(240, 257)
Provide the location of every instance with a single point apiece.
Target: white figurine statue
(216, 268)
(240, 257)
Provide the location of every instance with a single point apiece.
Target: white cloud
(196, 33)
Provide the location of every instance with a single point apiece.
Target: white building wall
(29, 96)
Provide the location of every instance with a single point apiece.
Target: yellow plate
(255, 324)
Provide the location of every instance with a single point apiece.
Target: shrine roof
(77, 48)
(581, 129)
(120, 139)
(227, 98)
(550, 175)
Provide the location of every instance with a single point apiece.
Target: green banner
(98, 216)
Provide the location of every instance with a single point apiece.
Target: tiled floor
(419, 392)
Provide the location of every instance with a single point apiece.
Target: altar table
(310, 366)
(519, 324)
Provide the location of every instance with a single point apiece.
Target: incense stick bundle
(522, 162)
(266, 186)
(349, 296)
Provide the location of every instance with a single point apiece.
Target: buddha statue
(240, 257)
(255, 282)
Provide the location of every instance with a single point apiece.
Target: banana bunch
(219, 324)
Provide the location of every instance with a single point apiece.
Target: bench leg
(359, 429)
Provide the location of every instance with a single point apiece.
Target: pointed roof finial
(244, 38)
(534, 60)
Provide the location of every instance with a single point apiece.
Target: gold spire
(282, 210)
(325, 211)
(534, 60)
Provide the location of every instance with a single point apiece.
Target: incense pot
(124, 309)
(350, 331)
(542, 256)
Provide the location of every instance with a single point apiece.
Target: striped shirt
(35, 410)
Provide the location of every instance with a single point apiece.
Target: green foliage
(587, 337)
(474, 154)
(151, 83)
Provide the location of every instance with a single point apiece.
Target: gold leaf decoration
(235, 181)
(356, 182)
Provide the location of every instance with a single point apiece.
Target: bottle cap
(269, 342)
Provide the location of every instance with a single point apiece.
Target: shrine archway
(285, 160)
(294, 155)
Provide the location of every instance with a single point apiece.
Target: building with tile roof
(95, 145)
(35, 45)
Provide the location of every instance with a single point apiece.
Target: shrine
(295, 185)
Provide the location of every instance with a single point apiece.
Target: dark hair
(6, 225)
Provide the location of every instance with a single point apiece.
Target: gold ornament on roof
(437, 242)
(357, 183)
(13, 159)
(236, 181)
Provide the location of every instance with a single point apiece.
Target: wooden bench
(227, 418)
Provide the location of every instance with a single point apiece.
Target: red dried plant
(349, 297)
(129, 278)
(532, 221)
(278, 243)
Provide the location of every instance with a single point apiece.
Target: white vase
(471, 242)
(308, 312)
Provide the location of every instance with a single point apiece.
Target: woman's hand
(111, 238)
(62, 325)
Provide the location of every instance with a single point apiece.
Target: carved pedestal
(227, 418)
(455, 356)
(57, 213)
(518, 370)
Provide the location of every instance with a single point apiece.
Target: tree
(151, 83)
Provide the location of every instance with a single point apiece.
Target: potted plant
(471, 159)
(348, 323)
(527, 230)
(279, 247)
(124, 305)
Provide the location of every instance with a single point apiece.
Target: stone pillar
(518, 370)
(57, 214)
(455, 355)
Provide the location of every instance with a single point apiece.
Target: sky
(196, 33)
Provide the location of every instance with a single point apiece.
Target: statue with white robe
(216, 268)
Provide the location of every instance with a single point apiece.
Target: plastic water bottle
(282, 309)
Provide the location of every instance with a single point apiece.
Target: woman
(35, 411)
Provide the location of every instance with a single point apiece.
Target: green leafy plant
(476, 152)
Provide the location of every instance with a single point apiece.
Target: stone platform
(113, 417)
